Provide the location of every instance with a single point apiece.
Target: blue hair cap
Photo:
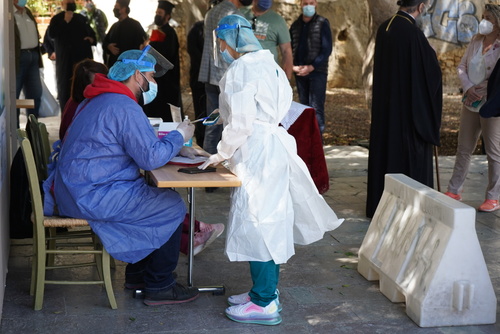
(237, 32)
(129, 61)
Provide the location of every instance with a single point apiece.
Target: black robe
(70, 48)
(195, 40)
(406, 106)
(128, 34)
(169, 85)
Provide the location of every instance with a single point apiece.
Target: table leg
(191, 202)
(216, 290)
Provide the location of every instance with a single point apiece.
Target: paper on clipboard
(185, 161)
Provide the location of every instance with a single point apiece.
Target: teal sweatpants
(265, 276)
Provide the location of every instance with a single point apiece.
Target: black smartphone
(196, 170)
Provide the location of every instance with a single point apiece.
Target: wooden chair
(40, 145)
(41, 240)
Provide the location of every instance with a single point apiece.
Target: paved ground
(321, 290)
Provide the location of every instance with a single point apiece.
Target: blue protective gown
(97, 174)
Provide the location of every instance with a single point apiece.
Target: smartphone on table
(196, 170)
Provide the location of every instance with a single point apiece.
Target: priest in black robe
(407, 102)
(73, 39)
(126, 34)
(164, 39)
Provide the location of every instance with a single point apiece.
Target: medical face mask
(150, 94)
(227, 56)
(485, 27)
(22, 3)
(309, 10)
(264, 4)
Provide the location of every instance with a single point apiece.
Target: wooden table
(169, 177)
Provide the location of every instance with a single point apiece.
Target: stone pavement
(321, 290)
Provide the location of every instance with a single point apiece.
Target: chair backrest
(34, 185)
(39, 139)
(45, 142)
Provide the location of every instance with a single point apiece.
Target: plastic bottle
(190, 141)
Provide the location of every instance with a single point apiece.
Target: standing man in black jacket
(311, 47)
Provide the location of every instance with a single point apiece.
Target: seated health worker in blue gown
(97, 176)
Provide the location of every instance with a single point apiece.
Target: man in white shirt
(28, 56)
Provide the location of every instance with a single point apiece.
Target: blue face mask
(22, 3)
(309, 10)
(227, 56)
(150, 94)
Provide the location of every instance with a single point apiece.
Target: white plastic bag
(48, 105)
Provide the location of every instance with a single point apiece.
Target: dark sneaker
(134, 286)
(176, 295)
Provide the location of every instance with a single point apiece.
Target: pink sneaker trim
(254, 308)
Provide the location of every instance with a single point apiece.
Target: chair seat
(57, 221)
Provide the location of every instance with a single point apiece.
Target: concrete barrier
(423, 247)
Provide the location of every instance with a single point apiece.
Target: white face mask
(485, 27)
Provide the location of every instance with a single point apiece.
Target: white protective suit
(278, 204)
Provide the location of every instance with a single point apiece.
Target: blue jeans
(265, 276)
(312, 91)
(28, 79)
(156, 269)
(213, 133)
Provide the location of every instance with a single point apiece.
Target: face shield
(218, 61)
(160, 68)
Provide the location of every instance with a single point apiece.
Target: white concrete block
(423, 247)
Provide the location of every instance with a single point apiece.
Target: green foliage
(43, 7)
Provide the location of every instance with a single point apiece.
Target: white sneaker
(250, 313)
(245, 298)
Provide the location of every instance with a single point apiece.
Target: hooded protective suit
(278, 204)
(97, 173)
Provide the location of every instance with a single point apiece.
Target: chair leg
(51, 245)
(34, 267)
(40, 258)
(106, 271)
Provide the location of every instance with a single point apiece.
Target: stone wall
(449, 26)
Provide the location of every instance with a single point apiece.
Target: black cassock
(165, 41)
(127, 34)
(70, 48)
(406, 106)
